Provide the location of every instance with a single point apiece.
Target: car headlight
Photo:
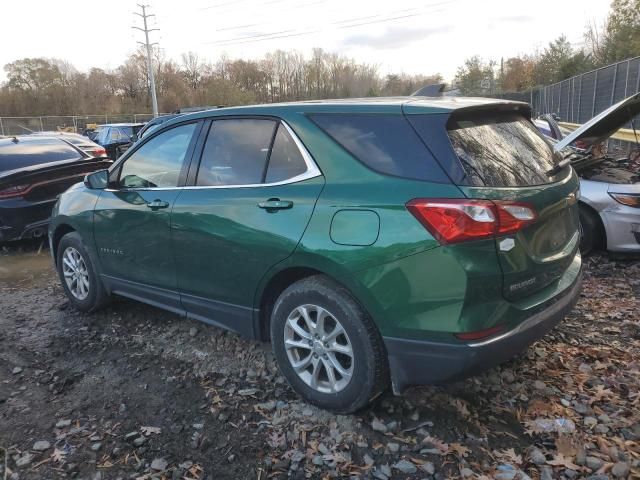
(628, 199)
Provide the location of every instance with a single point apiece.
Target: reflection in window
(34, 151)
(501, 151)
(235, 152)
(285, 160)
(158, 162)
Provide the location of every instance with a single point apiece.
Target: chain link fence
(72, 123)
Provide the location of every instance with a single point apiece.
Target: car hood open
(605, 124)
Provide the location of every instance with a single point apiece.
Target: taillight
(460, 220)
(14, 191)
(99, 152)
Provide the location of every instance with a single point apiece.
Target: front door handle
(274, 204)
(156, 204)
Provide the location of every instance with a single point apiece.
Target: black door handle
(274, 204)
(156, 204)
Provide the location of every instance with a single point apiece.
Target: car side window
(117, 135)
(235, 152)
(159, 161)
(286, 160)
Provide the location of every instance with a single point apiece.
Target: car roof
(30, 139)
(410, 104)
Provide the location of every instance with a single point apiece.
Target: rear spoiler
(433, 90)
(63, 165)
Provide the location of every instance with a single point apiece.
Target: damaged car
(609, 183)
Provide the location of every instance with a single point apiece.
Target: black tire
(592, 231)
(97, 297)
(370, 374)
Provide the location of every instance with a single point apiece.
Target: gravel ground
(135, 392)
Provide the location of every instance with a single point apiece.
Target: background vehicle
(609, 184)
(82, 142)
(332, 230)
(34, 170)
(156, 122)
(153, 124)
(116, 138)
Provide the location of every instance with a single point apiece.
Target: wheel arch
(60, 231)
(602, 231)
(284, 275)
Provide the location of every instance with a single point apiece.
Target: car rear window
(501, 150)
(384, 143)
(27, 153)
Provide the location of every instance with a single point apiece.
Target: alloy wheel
(318, 348)
(75, 272)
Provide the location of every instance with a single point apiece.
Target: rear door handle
(274, 204)
(156, 204)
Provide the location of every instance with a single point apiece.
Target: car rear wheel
(78, 274)
(327, 347)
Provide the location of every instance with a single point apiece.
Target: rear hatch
(503, 158)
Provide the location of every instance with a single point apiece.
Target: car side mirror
(97, 180)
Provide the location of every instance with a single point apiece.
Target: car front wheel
(78, 274)
(327, 347)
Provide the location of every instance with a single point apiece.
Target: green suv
(390, 240)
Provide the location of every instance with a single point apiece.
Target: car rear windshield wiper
(559, 167)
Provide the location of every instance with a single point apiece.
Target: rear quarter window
(28, 153)
(385, 143)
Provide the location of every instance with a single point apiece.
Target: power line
(144, 15)
(286, 34)
(258, 35)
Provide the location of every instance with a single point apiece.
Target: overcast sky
(411, 36)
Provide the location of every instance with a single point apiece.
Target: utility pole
(144, 15)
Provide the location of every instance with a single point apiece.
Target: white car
(609, 187)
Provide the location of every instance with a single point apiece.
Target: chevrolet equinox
(377, 241)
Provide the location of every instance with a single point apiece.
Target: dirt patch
(133, 391)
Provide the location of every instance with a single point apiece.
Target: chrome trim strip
(312, 172)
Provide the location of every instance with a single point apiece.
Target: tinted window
(285, 160)
(235, 152)
(158, 162)
(35, 151)
(503, 150)
(385, 143)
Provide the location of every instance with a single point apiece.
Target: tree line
(617, 39)
(40, 86)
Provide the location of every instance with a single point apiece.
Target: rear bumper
(420, 362)
(20, 219)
